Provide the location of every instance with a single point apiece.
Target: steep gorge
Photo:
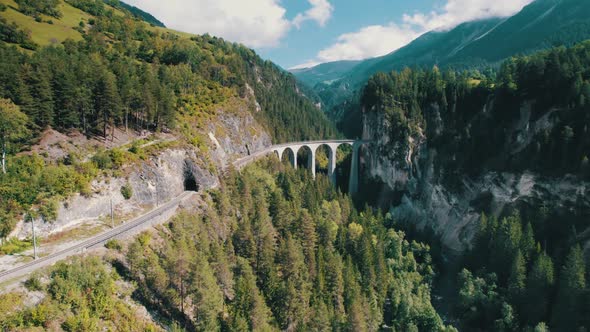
(496, 169)
(420, 189)
(448, 147)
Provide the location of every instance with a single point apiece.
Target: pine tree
(107, 103)
(320, 317)
(248, 302)
(22, 93)
(572, 282)
(516, 283)
(12, 127)
(293, 303)
(221, 264)
(335, 283)
(65, 112)
(539, 284)
(504, 244)
(265, 241)
(367, 268)
(280, 212)
(42, 94)
(243, 240)
(309, 240)
(178, 257)
(527, 245)
(207, 297)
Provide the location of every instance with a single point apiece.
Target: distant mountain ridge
(324, 72)
(478, 44)
(149, 18)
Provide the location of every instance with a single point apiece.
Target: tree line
(124, 73)
(276, 250)
(127, 74)
(450, 109)
(35, 8)
(519, 283)
(271, 250)
(527, 269)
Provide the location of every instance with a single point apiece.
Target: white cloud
(306, 65)
(377, 40)
(320, 11)
(456, 12)
(255, 23)
(371, 41)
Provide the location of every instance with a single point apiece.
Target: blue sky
(303, 44)
(302, 33)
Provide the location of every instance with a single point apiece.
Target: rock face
(162, 177)
(427, 197)
(234, 136)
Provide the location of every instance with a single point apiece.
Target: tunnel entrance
(190, 184)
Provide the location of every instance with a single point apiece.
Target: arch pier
(293, 149)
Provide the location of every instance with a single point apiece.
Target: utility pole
(156, 186)
(157, 193)
(112, 214)
(34, 238)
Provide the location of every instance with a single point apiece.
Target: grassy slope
(63, 28)
(178, 33)
(45, 33)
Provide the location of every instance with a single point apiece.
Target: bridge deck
(254, 156)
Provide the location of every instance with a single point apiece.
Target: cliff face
(163, 176)
(432, 194)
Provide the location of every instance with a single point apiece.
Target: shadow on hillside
(161, 310)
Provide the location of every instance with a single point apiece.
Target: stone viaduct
(311, 147)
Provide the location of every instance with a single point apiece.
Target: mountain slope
(113, 31)
(324, 73)
(540, 25)
(141, 14)
(478, 44)
(499, 169)
(431, 48)
(98, 73)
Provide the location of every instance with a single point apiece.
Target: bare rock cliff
(426, 195)
(163, 176)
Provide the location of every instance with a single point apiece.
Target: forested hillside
(84, 65)
(139, 13)
(480, 44)
(527, 265)
(447, 107)
(126, 73)
(273, 250)
(540, 25)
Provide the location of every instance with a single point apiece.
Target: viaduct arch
(312, 146)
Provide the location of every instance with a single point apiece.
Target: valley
(442, 187)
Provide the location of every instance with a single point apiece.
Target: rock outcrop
(452, 205)
(161, 177)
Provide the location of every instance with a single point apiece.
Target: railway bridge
(311, 147)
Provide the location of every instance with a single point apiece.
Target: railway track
(92, 242)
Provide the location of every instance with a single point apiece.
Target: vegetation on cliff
(526, 268)
(122, 72)
(278, 250)
(466, 114)
(80, 295)
(272, 250)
